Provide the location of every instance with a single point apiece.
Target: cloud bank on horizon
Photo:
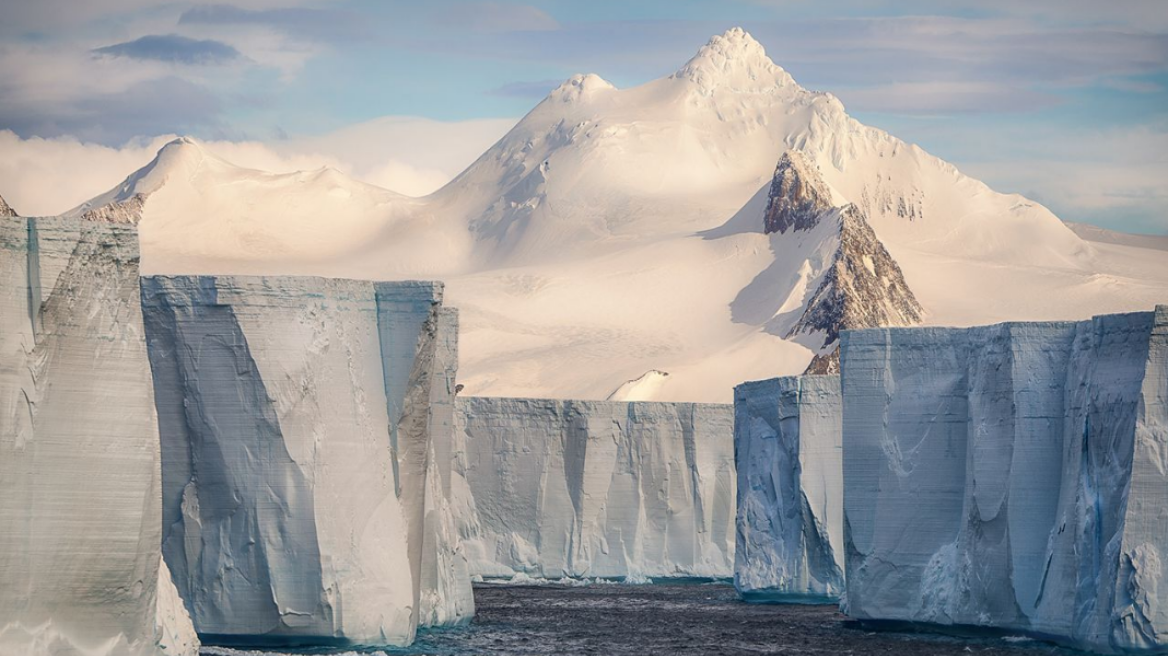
(1065, 101)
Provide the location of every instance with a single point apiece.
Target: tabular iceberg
(296, 422)
(1011, 476)
(787, 449)
(447, 596)
(596, 488)
(80, 519)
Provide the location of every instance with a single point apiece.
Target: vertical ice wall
(296, 422)
(447, 596)
(787, 450)
(1012, 477)
(80, 518)
(596, 488)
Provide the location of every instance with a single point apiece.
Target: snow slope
(614, 232)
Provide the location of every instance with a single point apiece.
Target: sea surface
(669, 618)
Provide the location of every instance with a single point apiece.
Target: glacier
(595, 489)
(81, 568)
(1011, 477)
(298, 420)
(788, 453)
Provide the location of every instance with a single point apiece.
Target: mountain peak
(179, 158)
(183, 150)
(735, 60)
(580, 86)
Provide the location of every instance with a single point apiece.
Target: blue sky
(1063, 100)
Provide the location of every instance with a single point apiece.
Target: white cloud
(412, 156)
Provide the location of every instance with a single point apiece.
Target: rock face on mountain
(80, 517)
(788, 454)
(849, 278)
(6, 210)
(862, 288)
(297, 427)
(597, 488)
(1026, 462)
(797, 196)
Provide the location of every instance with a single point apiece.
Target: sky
(1064, 101)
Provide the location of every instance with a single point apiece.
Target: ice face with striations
(1011, 476)
(596, 488)
(446, 594)
(297, 425)
(81, 571)
(787, 448)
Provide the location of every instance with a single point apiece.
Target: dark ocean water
(671, 618)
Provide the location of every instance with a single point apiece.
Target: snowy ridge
(592, 244)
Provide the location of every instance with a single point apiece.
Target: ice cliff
(595, 488)
(1012, 477)
(81, 571)
(447, 597)
(302, 497)
(787, 448)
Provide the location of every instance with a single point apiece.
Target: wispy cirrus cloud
(172, 48)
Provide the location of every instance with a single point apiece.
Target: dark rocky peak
(798, 195)
(6, 209)
(862, 288)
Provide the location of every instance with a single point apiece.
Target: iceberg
(80, 514)
(788, 453)
(297, 431)
(1011, 477)
(447, 597)
(595, 489)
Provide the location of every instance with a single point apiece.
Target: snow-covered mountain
(620, 235)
